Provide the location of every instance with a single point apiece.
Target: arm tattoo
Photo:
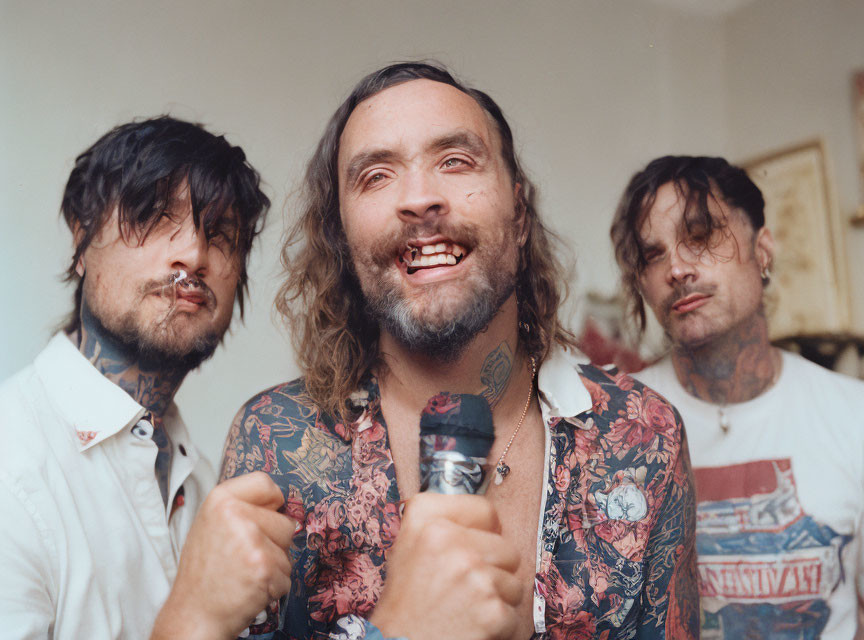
(231, 451)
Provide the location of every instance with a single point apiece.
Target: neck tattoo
(495, 374)
(723, 420)
(502, 470)
(153, 390)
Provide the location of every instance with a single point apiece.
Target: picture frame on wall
(809, 290)
(858, 84)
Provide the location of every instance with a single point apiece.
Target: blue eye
(449, 163)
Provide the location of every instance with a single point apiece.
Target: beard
(440, 338)
(157, 346)
(440, 324)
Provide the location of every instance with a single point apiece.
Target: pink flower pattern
(339, 480)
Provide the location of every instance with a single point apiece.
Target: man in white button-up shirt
(99, 481)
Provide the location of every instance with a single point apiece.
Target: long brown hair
(335, 340)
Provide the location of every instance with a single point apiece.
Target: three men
(423, 266)
(777, 442)
(99, 481)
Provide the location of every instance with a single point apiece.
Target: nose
(420, 198)
(189, 249)
(682, 264)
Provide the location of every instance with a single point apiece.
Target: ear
(521, 213)
(764, 249)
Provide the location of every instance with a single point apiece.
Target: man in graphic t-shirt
(777, 442)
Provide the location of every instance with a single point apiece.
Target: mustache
(383, 251)
(171, 286)
(682, 291)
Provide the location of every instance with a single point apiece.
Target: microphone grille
(457, 414)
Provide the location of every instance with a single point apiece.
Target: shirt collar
(94, 406)
(563, 393)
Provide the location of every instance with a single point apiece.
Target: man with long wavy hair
(423, 266)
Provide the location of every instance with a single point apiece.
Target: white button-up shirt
(87, 547)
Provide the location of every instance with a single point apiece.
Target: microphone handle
(449, 471)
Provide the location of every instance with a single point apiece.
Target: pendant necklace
(501, 468)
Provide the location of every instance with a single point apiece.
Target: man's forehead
(412, 112)
(672, 201)
(664, 220)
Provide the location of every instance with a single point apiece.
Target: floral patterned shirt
(616, 556)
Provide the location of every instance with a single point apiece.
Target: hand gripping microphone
(456, 434)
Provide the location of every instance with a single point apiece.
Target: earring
(766, 273)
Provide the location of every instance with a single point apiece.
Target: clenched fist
(234, 562)
(450, 574)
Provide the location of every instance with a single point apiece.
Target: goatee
(439, 340)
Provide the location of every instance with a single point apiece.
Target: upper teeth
(429, 249)
(433, 254)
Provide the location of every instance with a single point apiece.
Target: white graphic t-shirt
(780, 504)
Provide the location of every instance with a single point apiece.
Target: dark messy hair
(696, 179)
(335, 339)
(138, 169)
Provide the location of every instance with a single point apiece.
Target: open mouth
(428, 256)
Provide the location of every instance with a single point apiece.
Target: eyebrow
(364, 159)
(462, 139)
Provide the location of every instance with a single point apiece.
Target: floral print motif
(616, 548)
(85, 437)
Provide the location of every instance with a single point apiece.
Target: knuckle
(227, 508)
(419, 505)
(261, 479)
(216, 497)
(258, 560)
(482, 583)
(435, 535)
(466, 560)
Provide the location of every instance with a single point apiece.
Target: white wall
(593, 89)
(790, 65)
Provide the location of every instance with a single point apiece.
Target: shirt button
(143, 430)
